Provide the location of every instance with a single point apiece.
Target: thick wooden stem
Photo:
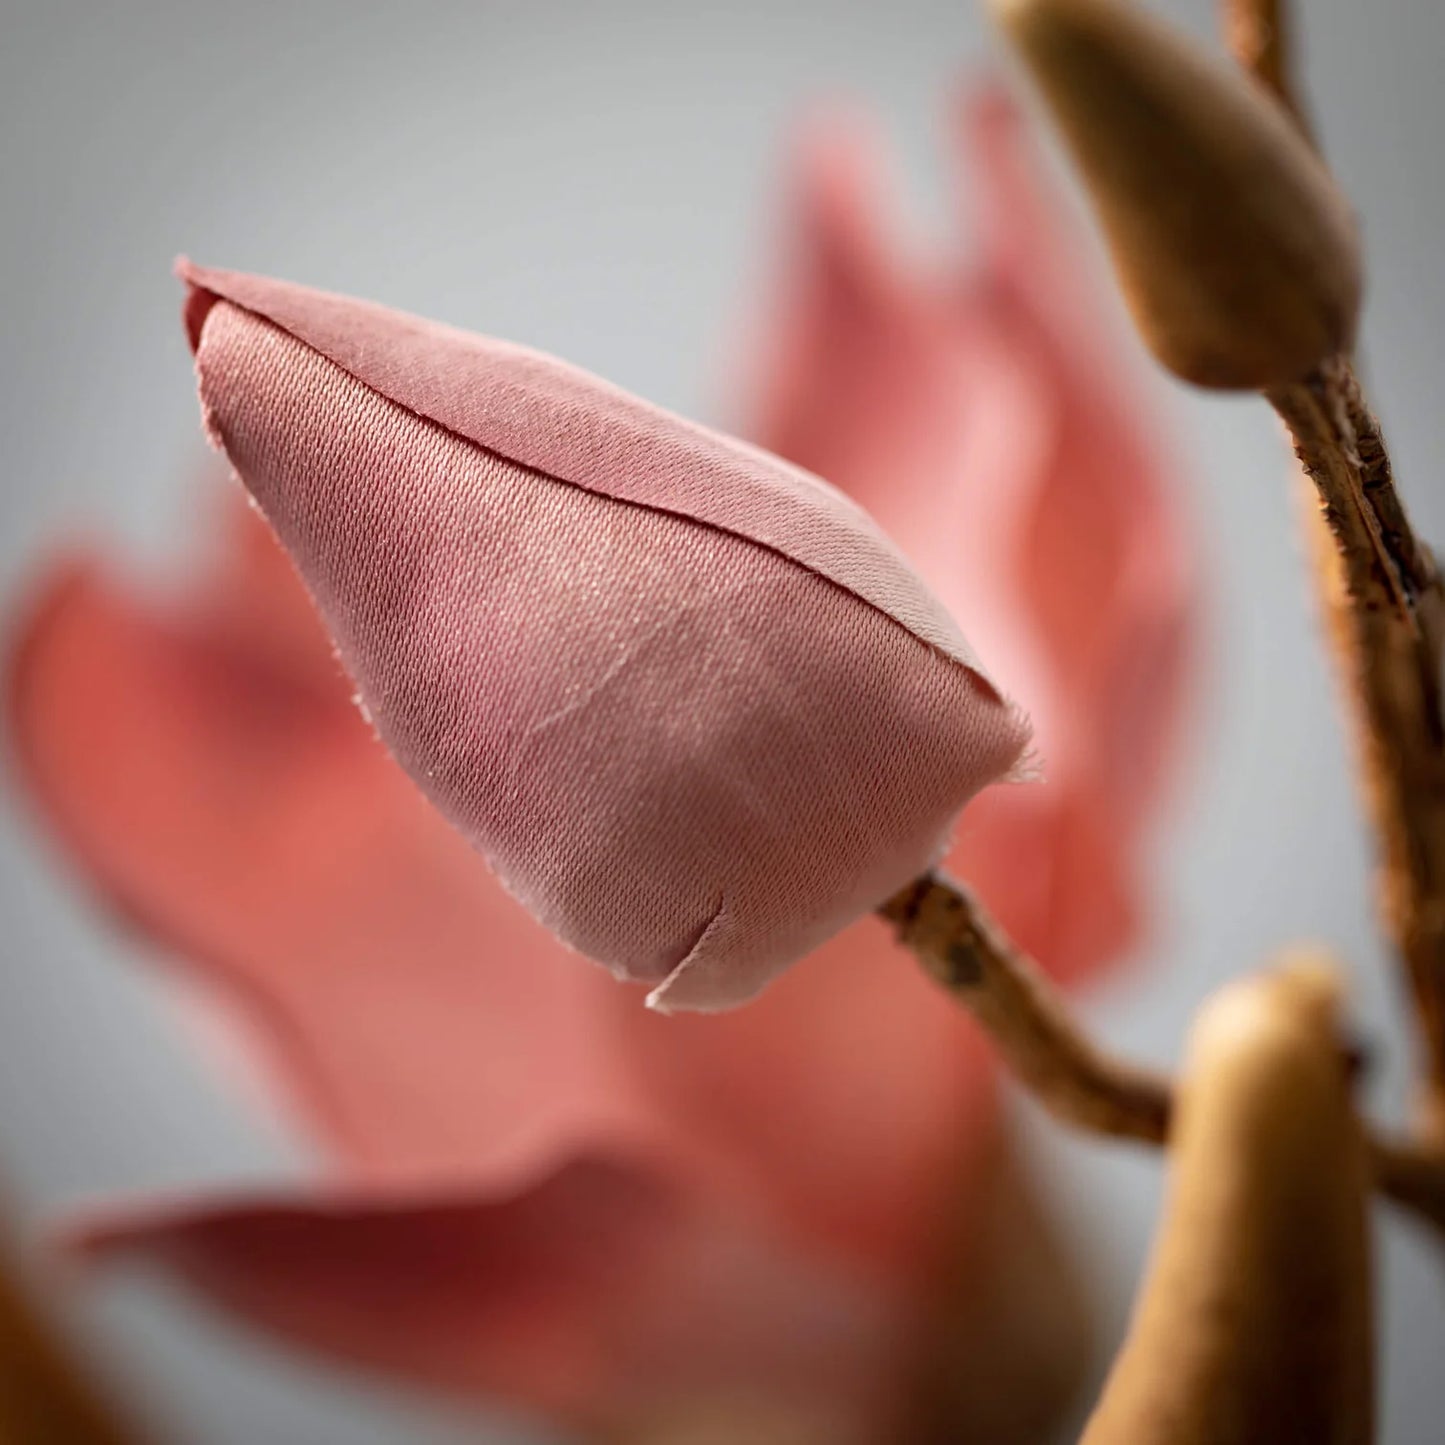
(1384, 600)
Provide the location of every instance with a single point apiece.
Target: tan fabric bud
(1253, 1323)
(1236, 251)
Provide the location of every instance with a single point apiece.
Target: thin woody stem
(964, 949)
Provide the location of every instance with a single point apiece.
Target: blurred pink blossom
(526, 1185)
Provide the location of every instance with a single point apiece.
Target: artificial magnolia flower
(524, 1183)
(696, 711)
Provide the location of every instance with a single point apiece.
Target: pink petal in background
(202, 759)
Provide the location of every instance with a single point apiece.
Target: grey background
(595, 179)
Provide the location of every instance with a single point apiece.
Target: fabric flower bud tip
(695, 709)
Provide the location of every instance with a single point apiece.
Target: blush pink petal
(240, 813)
(199, 756)
(986, 416)
(602, 1291)
(688, 701)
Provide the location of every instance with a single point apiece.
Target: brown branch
(965, 950)
(1385, 606)
(958, 944)
(1383, 596)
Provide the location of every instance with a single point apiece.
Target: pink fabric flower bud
(695, 709)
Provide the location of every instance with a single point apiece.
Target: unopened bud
(1236, 251)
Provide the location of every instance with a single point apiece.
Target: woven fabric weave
(692, 754)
